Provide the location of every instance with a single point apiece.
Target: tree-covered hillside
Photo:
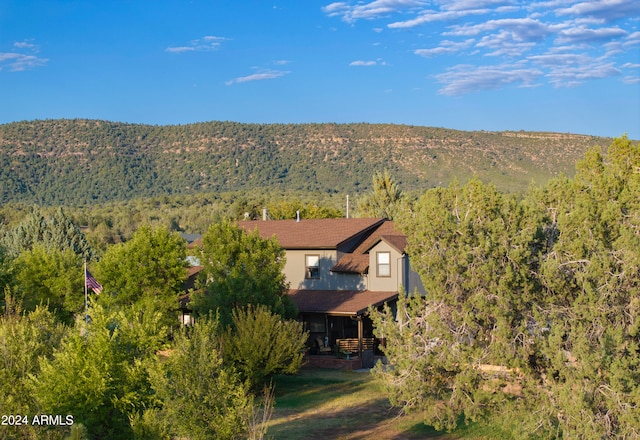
(75, 162)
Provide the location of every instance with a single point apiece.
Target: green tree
(241, 269)
(53, 232)
(591, 278)
(384, 200)
(260, 344)
(473, 248)
(148, 269)
(24, 339)
(51, 278)
(200, 397)
(288, 209)
(99, 374)
(4, 270)
(531, 307)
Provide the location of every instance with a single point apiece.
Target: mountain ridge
(81, 161)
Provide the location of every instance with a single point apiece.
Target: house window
(312, 264)
(383, 260)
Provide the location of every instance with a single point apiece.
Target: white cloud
(180, 49)
(566, 42)
(446, 47)
(463, 79)
(431, 16)
(466, 5)
(24, 58)
(371, 10)
(504, 44)
(260, 76)
(569, 76)
(583, 34)
(608, 10)
(571, 69)
(204, 44)
(524, 29)
(25, 45)
(632, 39)
(361, 63)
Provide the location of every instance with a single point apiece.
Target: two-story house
(338, 268)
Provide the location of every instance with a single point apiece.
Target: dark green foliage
(532, 304)
(591, 277)
(201, 399)
(54, 232)
(241, 269)
(260, 344)
(75, 162)
(4, 270)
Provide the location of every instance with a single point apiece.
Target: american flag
(92, 283)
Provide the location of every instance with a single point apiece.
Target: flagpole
(86, 311)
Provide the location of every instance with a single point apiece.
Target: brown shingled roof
(358, 260)
(312, 233)
(352, 263)
(342, 302)
(387, 231)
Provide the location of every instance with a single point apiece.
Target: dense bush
(260, 344)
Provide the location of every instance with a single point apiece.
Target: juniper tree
(532, 304)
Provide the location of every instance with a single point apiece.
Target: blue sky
(560, 65)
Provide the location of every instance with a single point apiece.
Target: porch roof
(339, 302)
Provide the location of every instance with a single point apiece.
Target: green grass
(333, 404)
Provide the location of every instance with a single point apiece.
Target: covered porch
(340, 330)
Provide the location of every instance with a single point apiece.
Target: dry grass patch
(333, 404)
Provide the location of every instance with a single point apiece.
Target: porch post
(360, 331)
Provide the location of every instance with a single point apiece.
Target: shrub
(260, 344)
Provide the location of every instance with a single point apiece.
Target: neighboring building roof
(190, 238)
(192, 275)
(312, 233)
(339, 302)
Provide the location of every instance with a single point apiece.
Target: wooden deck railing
(351, 344)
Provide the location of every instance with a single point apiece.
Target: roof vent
(297, 216)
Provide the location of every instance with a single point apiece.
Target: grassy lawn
(334, 404)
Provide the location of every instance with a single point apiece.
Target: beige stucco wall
(380, 283)
(295, 269)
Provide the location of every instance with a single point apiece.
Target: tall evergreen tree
(384, 200)
(53, 232)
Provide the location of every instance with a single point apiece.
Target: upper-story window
(383, 264)
(312, 263)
